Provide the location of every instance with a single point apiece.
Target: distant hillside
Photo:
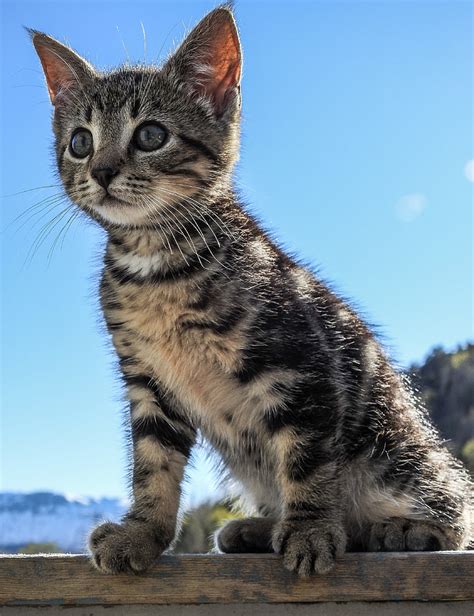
(44, 517)
(446, 384)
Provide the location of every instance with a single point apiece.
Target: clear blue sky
(357, 128)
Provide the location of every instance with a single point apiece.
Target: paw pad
(123, 548)
(309, 547)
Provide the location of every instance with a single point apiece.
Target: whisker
(144, 41)
(159, 229)
(153, 200)
(192, 221)
(43, 234)
(22, 192)
(64, 230)
(123, 45)
(33, 210)
(182, 228)
(175, 241)
(205, 208)
(47, 203)
(176, 213)
(201, 208)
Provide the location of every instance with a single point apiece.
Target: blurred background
(357, 153)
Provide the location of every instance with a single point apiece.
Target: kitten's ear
(210, 59)
(63, 68)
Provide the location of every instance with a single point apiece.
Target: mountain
(445, 382)
(44, 517)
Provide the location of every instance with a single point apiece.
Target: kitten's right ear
(209, 60)
(63, 68)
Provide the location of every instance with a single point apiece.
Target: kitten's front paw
(123, 548)
(309, 546)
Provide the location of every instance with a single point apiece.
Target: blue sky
(357, 134)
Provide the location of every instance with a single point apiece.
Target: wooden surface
(374, 608)
(62, 580)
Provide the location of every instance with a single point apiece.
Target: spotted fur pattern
(218, 331)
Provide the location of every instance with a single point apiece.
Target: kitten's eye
(81, 143)
(149, 137)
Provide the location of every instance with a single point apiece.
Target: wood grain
(64, 580)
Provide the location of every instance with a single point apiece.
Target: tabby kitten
(217, 330)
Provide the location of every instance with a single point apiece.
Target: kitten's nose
(104, 175)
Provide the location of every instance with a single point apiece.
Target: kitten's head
(137, 143)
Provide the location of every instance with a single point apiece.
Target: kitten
(217, 330)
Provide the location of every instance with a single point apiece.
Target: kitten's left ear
(63, 68)
(209, 60)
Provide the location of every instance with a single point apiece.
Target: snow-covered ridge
(43, 517)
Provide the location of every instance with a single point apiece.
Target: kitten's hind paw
(249, 535)
(123, 548)
(400, 535)
(309, 546)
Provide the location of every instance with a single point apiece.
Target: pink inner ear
(230, 80)
(225, 61)
(58, 74)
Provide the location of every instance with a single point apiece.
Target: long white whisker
(175, 240)
(64, 229)
(181, 228)
(153, 224)
(187, 218)
(144, 41)
(202, 206)
(123, 45)
(37, 208)
(43, 234)
(34, 211)
(163, 207)
(22, 192)
(202, 209)
(201, 234)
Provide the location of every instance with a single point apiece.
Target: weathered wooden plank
(374, 608)
(63, 580)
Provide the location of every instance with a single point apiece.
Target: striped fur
(217, 330)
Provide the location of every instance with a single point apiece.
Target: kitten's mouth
(117, 211)
(111, 200)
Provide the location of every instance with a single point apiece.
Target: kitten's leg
(249, 535)
(311, 533)
(162, 440)
(310, 537)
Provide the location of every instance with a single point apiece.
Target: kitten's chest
(167, 339)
